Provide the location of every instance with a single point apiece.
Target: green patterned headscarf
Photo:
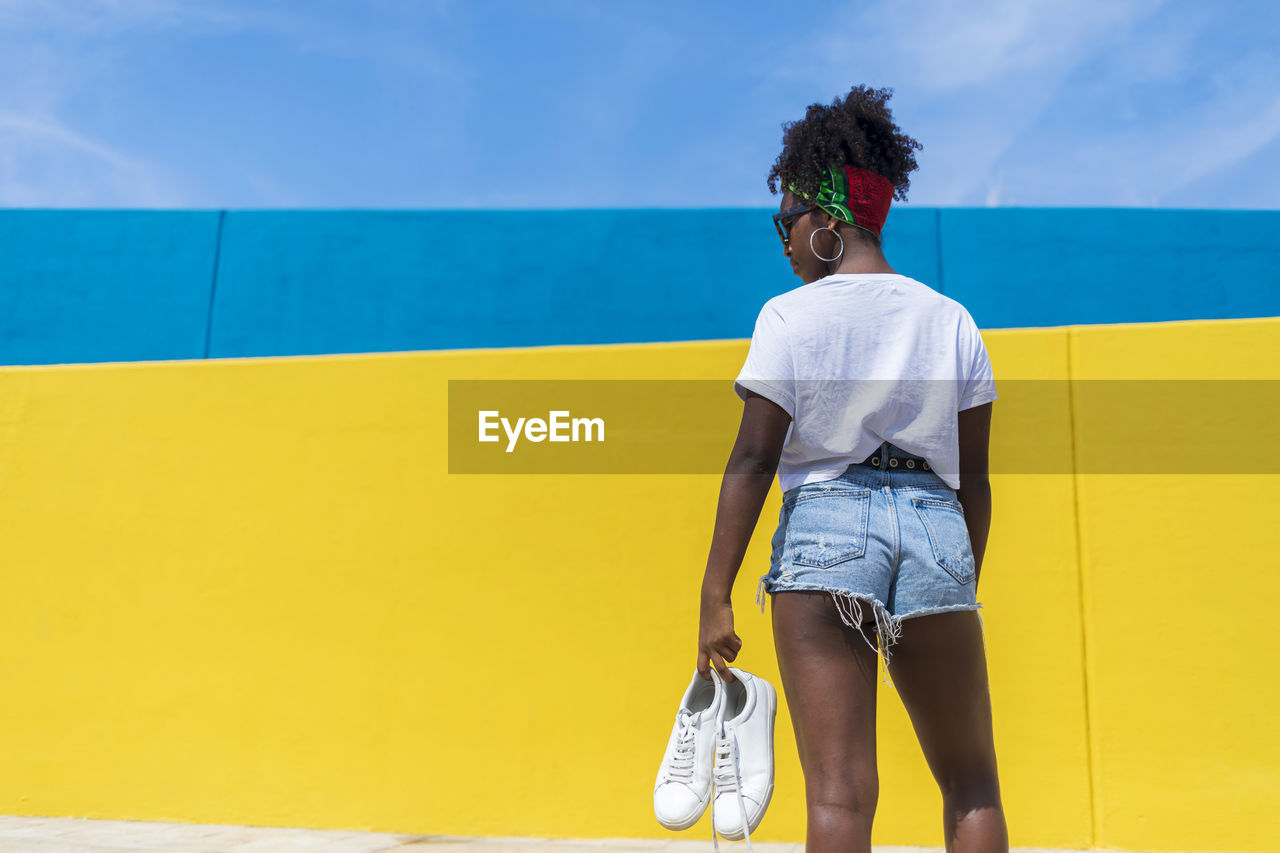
(856, 196)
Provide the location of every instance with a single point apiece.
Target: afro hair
(856, 130)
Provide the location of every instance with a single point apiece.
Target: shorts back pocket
(828, 527)
(948, 536)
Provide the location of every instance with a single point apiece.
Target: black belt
(881, 459)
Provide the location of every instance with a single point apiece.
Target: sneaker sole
(685, 824)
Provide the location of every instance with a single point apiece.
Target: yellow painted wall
(247, 591)
(1181, 577)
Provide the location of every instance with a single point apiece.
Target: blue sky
(581, 104)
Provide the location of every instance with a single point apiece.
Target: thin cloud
(1037, 102)
(55, 53)
(1113, 137)
(993, 191)
(951, 46)
(47, 164)
(98, 20)
(19, 129)
(432, 104)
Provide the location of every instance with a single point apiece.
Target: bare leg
(939, 666)
(829, 678)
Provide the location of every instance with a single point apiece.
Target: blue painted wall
(83, 286)
(323, 282)
(88, 285)
(1014, 267)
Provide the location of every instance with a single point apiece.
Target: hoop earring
(834, 233)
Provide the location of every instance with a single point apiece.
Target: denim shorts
(887, 533)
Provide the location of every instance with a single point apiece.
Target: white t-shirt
(859, 359)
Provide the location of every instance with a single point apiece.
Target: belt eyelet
(875, 460)
(926, 466)
(911, 463)
(893, 463)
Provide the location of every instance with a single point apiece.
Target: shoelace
(681, 767)
(728, 777)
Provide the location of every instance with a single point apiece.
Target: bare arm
(747, 479)
(975, 486)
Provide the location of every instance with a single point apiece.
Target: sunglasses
(782, 221)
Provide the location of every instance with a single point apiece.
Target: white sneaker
(744, 755)
(683, 788)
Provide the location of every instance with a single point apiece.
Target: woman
(869, 395)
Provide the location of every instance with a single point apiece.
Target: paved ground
(73, 835)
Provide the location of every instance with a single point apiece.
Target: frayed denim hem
(928, 611)
(849, 606)
(944, 609)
